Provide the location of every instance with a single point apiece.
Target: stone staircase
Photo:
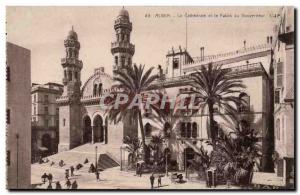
(107, 156)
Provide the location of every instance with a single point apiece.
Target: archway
(46, 142)
(98, 129)
(87, 130)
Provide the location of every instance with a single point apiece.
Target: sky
(218, 29)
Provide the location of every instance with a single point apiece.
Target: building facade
(18, 110)
(82, 121)
(45, 119)
(284, 111)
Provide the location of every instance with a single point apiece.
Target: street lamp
(96, 158)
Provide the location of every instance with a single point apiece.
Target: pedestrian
(152, 180)
(159, 181)
(86, 161)
(68, 184)
(67, 173)
(137, 172)
(74, 185)
(50, 177)
(49, 186)
(58, 186)
(44, 177)
(72, 171)
(141, 171)
(97, 175)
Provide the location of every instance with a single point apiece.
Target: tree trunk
(211, 122)
(142, 134)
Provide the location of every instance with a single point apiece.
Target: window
(279, 75)
(65, 73)
(46, 98)
(116, 60)
(95, 90)
(189, 130)
(129, 61)
(34, 110)
(175, 63)
(8, 158)
(46, 122)
(46, 110)
(57, 111)
(100, 89)
(7, 73)
(278, 129)
(34, 98)
(183, 130)
(277, 97)
(7, 116)
(76, 75)
(244, 102)
(70, 75)
(122, 61)
(64, 122)
(194, 131)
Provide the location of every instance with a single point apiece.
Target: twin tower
(70, 129)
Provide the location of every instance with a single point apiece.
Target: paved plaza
(111, 178)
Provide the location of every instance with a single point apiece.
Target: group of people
(152, 180)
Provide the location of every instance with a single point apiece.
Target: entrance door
(87, 130)
(98, 129)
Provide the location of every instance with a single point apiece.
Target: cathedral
(82, 121)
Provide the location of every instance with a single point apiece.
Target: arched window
(123, 61)
(95, 90)
(244, 102)
(129, 61)
(100, 89)
(65, 73)
(189, 130)
(76, 75)
(116, 60)
(194, 131)
(183, 130)
(148, 129)
(278, 129)
(70, 75)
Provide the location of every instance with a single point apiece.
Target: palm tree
(214, 87)
(133, 81)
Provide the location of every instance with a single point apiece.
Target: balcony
(122, 47)
(71, 61)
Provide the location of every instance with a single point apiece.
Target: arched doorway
(46, 142)
(98, 129)
(87, 130)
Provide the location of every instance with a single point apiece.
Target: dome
(72, 34)
(123, 13)
(99, 78)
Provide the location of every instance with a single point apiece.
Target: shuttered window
(279, 74)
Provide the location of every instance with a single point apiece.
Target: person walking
(97, 175)
(74, 185)
(159, 181)
(57, 185)
(44, 177)
(49, 186)
(67, 173)
(68, 184)
(72, 171)
(141, 171)
(152, 180)
(50, 178)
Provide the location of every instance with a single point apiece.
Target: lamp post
(96, 158)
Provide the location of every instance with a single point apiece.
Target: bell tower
(70, 134)
(122, 50)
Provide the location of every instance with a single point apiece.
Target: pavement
(111, 178)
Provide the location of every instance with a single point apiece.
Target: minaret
(122, 50)
(72, 66)
(70, 132)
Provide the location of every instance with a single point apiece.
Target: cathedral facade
(82, 121)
